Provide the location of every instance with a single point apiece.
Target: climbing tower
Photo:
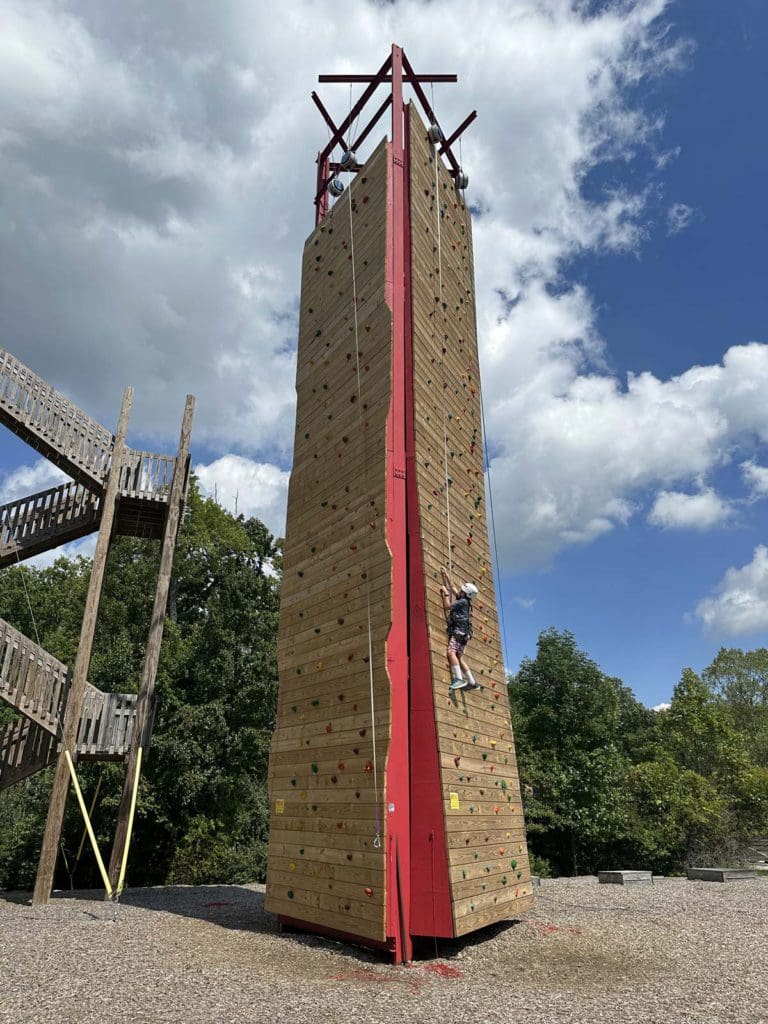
(395, 805)
(114, 491)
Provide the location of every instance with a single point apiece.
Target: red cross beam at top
(395, 71)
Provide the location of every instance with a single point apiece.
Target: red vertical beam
(430, 911)
(397, 778)
(321, 202)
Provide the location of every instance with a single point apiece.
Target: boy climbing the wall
(457, 605)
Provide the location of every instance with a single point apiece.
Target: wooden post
(76, 697)
(149, 671)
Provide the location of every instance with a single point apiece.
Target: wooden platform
(625, 877)
(721, 874)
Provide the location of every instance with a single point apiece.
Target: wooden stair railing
(58, 515)
(31, 680)
(49, 422)
(36, 685)
(71, 439)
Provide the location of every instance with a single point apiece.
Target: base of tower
(292, 924)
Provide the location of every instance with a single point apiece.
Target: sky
(156, 182)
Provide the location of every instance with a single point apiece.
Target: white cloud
(578, 451)
(28, 479)
(525, 602)
(664, 706)
(679, 216)
(739, 604)
(702, 511)
(254, 488)
(755, 477)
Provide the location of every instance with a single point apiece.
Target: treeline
(606, 781)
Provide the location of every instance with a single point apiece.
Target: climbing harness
(363, 436)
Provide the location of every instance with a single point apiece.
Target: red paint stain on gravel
(415, 983)
(443, 970)
(547, 929)
(360, 975)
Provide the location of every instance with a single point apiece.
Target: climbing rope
(486, 458)
(23, 576)
(436, 157)
(496, 576)
(364, 448)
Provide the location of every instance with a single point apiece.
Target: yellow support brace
(89, 827)
(124, 865)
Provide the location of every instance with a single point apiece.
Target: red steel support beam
(410, 77)
(327, 117)
(462, 128)
(398, 769)
(377, 79)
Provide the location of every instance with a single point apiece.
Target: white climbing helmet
(469, 589)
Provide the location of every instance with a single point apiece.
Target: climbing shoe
(458, 684)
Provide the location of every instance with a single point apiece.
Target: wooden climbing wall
(487, 860)
(323, 866)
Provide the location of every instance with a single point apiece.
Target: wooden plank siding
(487, 855)
(323, 867)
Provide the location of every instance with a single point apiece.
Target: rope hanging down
(363, 434)
(486, 457)
(447, 483)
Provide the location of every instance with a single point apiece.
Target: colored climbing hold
(368, 891)
(314, 768)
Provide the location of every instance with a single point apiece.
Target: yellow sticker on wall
(455, 802)
(279, 806)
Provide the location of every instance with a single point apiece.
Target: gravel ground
(682, 952)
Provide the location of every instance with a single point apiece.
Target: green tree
(740, 678)
(567, 717)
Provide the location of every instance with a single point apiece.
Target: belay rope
(486, 457)
(441, 341)
(364, 448)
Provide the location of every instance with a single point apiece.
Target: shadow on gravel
(241, 908)
(229, 906)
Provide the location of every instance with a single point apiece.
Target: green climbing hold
(290, 894)
(314, 768)
(503, 879)
(513, 863)
(484, 757)
(315, 703)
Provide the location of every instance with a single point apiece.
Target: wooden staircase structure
(36, 685)
(82, 448)
(114, 491)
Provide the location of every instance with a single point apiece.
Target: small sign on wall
(455, 806)
(279, 806)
